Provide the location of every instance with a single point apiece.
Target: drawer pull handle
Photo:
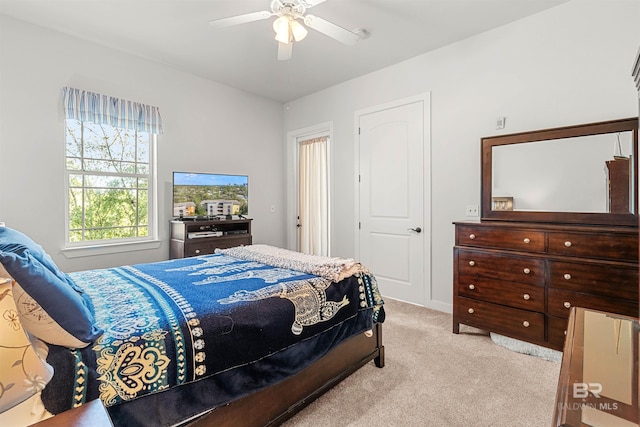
(526, 271)
(567, 276)
(471, 310)
(565, 332)
(472, 286)
(472, 236)
(567, 304)
(197, 251)
(526, 297)
(527, 240)
(567, 244)
(525, 324)
(472, 263)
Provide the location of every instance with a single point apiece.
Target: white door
(393, 230)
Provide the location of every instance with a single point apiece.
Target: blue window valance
(103, 109)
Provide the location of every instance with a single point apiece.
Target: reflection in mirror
(609, 358)
(590, 174)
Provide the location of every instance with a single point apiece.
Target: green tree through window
(109, 173)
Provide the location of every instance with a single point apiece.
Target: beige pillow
(22, 372)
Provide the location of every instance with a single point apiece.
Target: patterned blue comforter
(178, 322)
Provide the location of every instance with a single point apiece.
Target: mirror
(578, 174)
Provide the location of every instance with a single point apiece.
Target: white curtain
(313, 196)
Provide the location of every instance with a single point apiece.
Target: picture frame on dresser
(518, 272)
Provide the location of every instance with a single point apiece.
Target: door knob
(417, 229)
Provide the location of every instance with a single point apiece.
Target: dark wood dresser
(194, 238)
(521, 279)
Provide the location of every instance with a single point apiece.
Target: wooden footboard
(274, 405)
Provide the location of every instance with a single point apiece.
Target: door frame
(320, 129)
(425, 98)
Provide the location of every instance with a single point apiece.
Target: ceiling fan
(287, 27)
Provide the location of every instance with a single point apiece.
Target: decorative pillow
(50, 308)
(12, 240)
(22, 372)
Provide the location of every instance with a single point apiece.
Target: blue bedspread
(172, 323)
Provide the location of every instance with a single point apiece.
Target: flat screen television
(209, 194)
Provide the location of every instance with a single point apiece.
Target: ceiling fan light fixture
(281, 27)
(298, 30)
(292, 24)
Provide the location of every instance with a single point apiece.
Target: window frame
(116, 245)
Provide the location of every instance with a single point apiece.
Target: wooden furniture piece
(91, 414)
(276, 404)
(521, 279)
(598, 383)
(520, 269)
(636, 78)
(586, 141)
(619, 181)
(187, 236)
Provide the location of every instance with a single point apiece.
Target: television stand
(194, 238)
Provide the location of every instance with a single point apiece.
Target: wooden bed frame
(276, 404)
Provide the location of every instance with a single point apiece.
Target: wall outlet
(501, 122)
(472, 210)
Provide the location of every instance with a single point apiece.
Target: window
(109, 175)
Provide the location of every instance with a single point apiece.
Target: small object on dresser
(502, 203)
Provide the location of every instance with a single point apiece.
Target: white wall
(205, 130)
(567, 65)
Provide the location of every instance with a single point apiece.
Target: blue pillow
(12, 240)
(49, 307)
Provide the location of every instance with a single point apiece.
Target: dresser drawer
(205, 246)
(488, 237)
(609, 280)
(528, 297)
(514, 322)
(556, 331)
(501, 266)
(559, 303)
(592, 245)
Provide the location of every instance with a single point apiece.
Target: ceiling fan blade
(240, 19)
(332, 30)
(284, 51)
(311, 3)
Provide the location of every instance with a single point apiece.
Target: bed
(244, 337)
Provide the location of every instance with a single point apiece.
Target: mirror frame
(604, 218)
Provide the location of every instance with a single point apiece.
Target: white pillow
(22, 372)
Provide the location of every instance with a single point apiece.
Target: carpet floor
(433, 377)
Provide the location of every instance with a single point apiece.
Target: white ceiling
(176, 33)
